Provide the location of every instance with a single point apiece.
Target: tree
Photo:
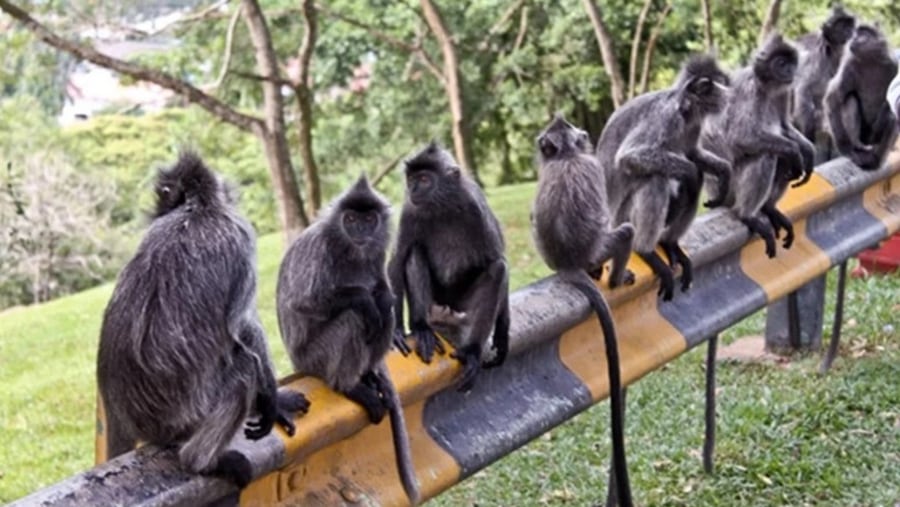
(55, 223)
(771, 20)
(607, 52)
(269, 129)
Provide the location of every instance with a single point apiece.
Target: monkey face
(867, 40)
(360, 226)
(778, 67)
(710, 94)
(420, 185)
(839, 28)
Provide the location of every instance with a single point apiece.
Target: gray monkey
(183, 357)
(654, 166)
(754, 133)
(860, 119)
(820, 57)
(573, 231)
(335, 310)
(450, 253)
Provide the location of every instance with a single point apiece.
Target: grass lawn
(786, 435)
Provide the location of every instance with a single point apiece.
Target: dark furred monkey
(335, 310)
(861, 121)
(573, 232)
(819, 60)
(754, 133)
(183, 358)
(450, 253)
(654, 166)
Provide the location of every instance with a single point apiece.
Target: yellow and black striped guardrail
(556, 368)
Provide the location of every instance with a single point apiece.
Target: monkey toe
(235, 467)
(467, 380)
(400, 343)
(256, 430)
(427, 344)
(627, 278)
(285, 419)
(686, 281)
(714, 203)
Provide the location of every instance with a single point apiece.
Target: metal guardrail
(556, 368)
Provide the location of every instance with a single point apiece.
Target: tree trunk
(636, 47)
(707, 25)
(607, 52)
(274, 137)
(771, 21)
(651, 46)
(461, 131)
(304, 108)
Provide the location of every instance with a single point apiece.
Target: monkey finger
(256, 432)
(401, 344)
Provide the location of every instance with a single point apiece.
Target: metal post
(709, 440)
(794, 322)
(838, 319)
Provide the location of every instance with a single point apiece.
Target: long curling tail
(581, 281)
(400, 436)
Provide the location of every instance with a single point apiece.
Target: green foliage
(130, 149)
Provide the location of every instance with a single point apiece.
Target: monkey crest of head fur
(189, 182)
(775, 63)
(838, 28)
(562, 140)
(703, 84)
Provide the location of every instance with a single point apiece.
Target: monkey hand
(374, 323)
(626, 279)
(716, 201)
(400, 342)
(666, 285)
(804, 177)
(426, 342)
(865, 157)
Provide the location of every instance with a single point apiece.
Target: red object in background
(885, 259)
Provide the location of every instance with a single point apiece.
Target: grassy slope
(786, 436)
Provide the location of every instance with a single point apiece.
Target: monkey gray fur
(654, 166)
(335, 310)
(820, 57)
(754, 133)
(573, 231)
(450, 252)
(859, 117)
(183, 357)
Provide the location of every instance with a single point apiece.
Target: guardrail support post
(794, 322)
(838, 319)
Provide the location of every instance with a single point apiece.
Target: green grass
(786, 435)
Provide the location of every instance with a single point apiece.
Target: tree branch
(388, 39)
(385, 170)
(607, 52)
(651, 46)
(771, 21)
(707, 25)
(200, 15)
(229, 46)
(498, 25)
(193, 94)
(304, 108)
(636, 46)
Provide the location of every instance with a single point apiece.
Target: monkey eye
(350, 217)
(369, 218)
(165, 190)
(424, 179)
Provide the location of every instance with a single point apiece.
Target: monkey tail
(580, 280)
(400, 436)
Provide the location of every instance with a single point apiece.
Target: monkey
(859, 117)
(755, 134)
(573, 231)
(335, 310)
(450, 252)
(183, 358)
(653, 163)
(819, 60)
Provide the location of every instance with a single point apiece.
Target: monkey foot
(471, 363)
(765, 232)
(596, 273)
(235, 467)
(427, 343)
(289, 404)
(369, 397)
(627, 278)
